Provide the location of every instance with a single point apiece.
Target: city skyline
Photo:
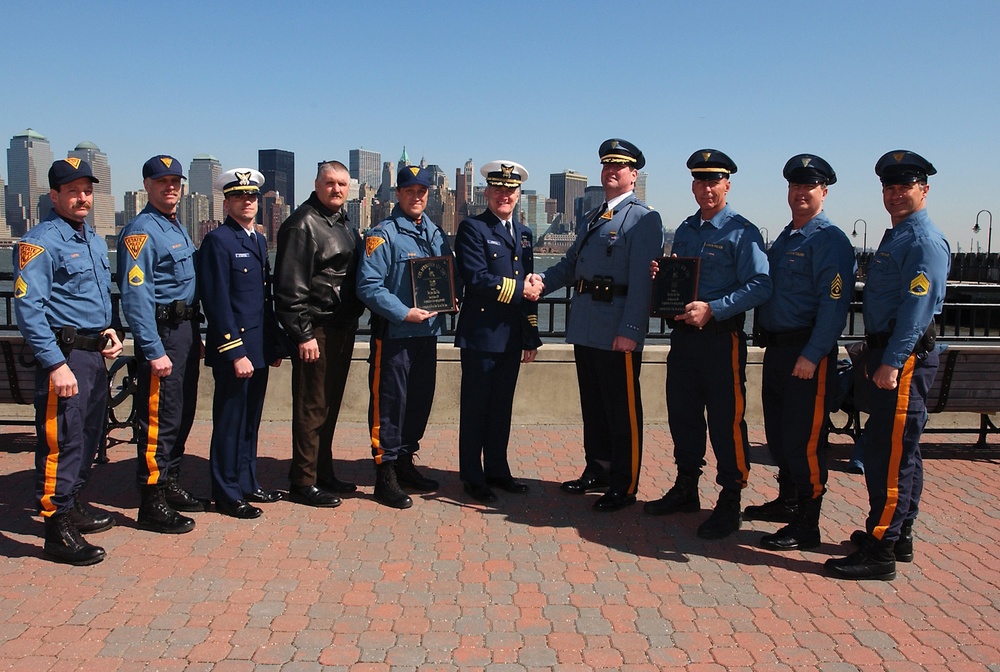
(761, 82)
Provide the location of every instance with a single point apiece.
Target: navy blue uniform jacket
(495, 316)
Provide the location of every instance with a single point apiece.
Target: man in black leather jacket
(315, 301)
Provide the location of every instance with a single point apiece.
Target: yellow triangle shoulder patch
(20, 288)
(26, 252)
(136, 277)
(920, 285)
(372, 243)
(135, 243)
(836, 287)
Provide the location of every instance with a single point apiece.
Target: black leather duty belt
(782, 339)
(601, 288)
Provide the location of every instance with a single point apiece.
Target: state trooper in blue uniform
(904, 292)
(403, 360)
(812, 269)
(62, 302)
(235, 276)
(706, 365)
(608, 265)
(156, 275)
(497, 329)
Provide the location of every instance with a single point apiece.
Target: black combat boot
(407, 474)
(156, 515)
(682, 497)
(801, 533)
(387, 490)
(873, 560)
(63, 542)
(88, 520)
(177, 497)
(782, 509)
(903, 550)
(725, 518)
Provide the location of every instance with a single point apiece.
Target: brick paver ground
(535, 582)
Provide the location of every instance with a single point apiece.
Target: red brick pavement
(536, 582)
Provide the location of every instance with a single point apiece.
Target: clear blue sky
(542, 83)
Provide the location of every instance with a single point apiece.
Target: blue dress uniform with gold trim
(156, 276)
(904, 292)
(812, 269)
(403, 361)
(496, 324)
(608, 264)
(234, 273)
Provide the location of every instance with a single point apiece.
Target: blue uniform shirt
(812, 270)
(620, 245)
(734, 273)
(384, 282)
(62, 278)
(906, 284)
(155, 267)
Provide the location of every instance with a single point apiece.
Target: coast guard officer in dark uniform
(706, 366)
(497, 329)
(812, 269)
(403, 361)
(904, 292)
(62, 301)
(235, 276)
(608, 265)
(156, 275)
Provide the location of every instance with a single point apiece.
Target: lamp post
(864, 238)
(989, 233)
(766, 238)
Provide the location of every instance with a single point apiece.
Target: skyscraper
(278, 168)
(640, 187)
(135, 201)
(4, 231)
(201, 180)
(28, 160)
(470, 180)
(102, 216)
(404, 158)
(566, 187)
(387, 190)
(365, 167)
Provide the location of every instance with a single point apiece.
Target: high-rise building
(4, 230)
(278, 168)
(135, 201)
(404, 158)
(566, 187)
(201, 180)
(593, 197)
(102, 215)
(640, 187)
(532, 212)
(28, 161)
(438, 177)
(191, 212)
(387, 189)
(365, 167)
(470, 180)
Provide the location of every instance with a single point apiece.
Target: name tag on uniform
(240, 255)
(492, 242)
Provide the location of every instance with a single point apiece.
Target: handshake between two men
(533, 287)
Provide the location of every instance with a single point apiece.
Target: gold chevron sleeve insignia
(26, 252)
(136, 277)
(920, 285)
(20, 288)
(507, 290)
(836, 287)
(372, 243)
(135, 243)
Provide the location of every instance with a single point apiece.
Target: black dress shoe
(262, 496)
(238, 509)
(585, 483)
(613, 500)
(333, 484)
(310, 495)
(510, 484)
(480, 493)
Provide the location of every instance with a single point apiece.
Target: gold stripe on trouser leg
(52, 459)
(896, 450)
(154, 430)
(819, 416)
(633, 421)
(376, 380)
(739, 406)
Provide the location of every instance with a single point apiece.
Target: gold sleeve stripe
(507, 291)
(533, 320)
(238, 343)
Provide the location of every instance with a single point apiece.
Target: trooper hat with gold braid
(239, 181)
(616, 150)
(504, 173)
(710, 164)
(808, 169)
(902, 166)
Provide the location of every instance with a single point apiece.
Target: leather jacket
(315, 271)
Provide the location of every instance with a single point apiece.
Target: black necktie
(597, 217)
